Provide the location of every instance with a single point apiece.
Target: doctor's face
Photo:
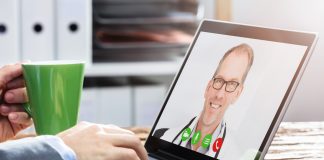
(225, 88)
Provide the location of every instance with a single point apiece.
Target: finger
(18, 95)
(5, 109)
(8, 73)
(128, 141)
(120, 153)
(20, 118)
(19, 121)
(16, 83)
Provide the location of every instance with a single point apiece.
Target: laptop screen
(225, 98)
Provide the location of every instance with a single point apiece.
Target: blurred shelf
(113, 69)
(184, 18)
(145, 45)
(141, 37)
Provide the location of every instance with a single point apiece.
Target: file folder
(148, 100)
(37, 29)
(9, 31)
(74, 28)
(89, 105)
(115, 106)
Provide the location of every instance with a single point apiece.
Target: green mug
(54, 90)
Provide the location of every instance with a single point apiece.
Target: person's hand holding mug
(103, 142)
(87, 140)
(13, 117)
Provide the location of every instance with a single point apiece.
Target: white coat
(174, 135)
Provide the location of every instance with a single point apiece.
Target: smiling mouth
(214, 106)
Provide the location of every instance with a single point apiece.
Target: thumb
(21, 118)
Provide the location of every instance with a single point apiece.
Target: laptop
(231, 92)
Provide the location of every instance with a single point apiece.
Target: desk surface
(301, 140)
(293, 141)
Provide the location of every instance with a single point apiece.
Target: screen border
(156, 146)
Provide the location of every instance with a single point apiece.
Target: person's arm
(87, 140)
(103, 142)
(36, 148)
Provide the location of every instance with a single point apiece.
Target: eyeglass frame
(224, 82)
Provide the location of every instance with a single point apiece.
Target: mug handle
(27, 109)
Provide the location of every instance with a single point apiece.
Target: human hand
(103, 142)
(13, 118)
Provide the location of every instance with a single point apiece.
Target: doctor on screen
(206, 133)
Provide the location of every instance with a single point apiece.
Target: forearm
(36, 148)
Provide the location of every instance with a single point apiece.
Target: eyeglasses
(230, 85)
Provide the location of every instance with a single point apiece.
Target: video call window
(227, 95)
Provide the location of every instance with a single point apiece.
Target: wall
(208, 8)
(308, 15)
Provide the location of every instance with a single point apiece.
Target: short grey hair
(241, 49)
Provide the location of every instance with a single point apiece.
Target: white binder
(9, 31)
(37, 29)
(115, 106)
(89, 105)
(148, 101)
(74, 28)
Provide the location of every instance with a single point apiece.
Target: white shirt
(171, 134)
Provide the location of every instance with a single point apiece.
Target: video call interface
(227, 95)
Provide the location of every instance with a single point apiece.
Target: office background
(307, 103)
(126, 83)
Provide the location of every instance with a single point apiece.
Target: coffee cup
(54, 91)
